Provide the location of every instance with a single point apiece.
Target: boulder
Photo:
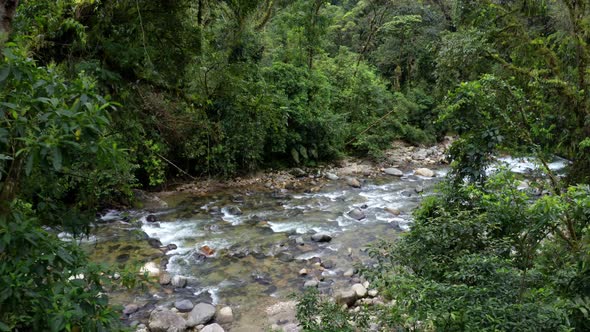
(213, 328)
(225, 315)
(178, 282)
(394, 211)
(347, 297)
(332, 176)
(202, 313)
(165, 278)
(166, 321)
(357, 214)
(321, 237)
(393, 172)
(353, 182)
(360, 290)
(311, 283)
(154, 243)
(184, 305)
(424, 172)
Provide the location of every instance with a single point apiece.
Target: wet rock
(357, 214)
(154, 243)
(130, 309)
(234, 210)
(225, 315)
(332, 176)
(178, 282)
(165, 278)
(419, 189)
(172, 246)
(424, 172)
(393, 171)
(213, 328)
(347, 297)
(353, 182)
(261, 278)
(406, 193)
(364, 206)
(207, 251)
(360, 290)
(327, 264)
(199, 257)
(183, 305)
(202, 313)
(311, 284)
(321, 237)
(285, 257)
(299, 241)
(394, 211)
(166, 321)
(151, 218)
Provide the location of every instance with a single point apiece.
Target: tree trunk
(7, 11)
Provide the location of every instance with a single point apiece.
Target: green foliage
(489, 258)
(316, 314)
(48, 284)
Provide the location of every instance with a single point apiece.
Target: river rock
(347, 297)
(419, 189)
(202, 313)
(357, 214)
(298, 172)
(225, 315)
(348, 273)
(332, 176)
(353, 182)
(303, 272)
(178, 282)
(394, 211)
(373, 292)
(151, 269)
(184, 305)
(393, 171)
(207, 250)
(321, 237)
(151, 218)
(166, 321)
(130, 308)
(213, 328)
(234, 210)
(424, 172)
(172, 246)
(154, 243)
(360, 290)
(285, 257)
(165, 278)
(311, 283)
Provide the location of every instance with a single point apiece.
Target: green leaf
(4, 327)
(29, 164)
(4, 73)
(57, 159)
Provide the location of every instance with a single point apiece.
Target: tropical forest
(294, 165)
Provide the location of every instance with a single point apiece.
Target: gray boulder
(321, 237)
(213, 328)
(166, 321)
(183, 305)
(357, 214)
(202, 313)
(393, 172)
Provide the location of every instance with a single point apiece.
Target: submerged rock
(321, 237)
(357, 214)
(178, 282)
(394, 211)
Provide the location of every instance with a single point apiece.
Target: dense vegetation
(100, 96)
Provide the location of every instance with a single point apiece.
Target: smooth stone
(321, 237)
(303, 272)
(178, 282)
(311, 283)
(184, 305)
(166, 321)
(360, 290)
(151, 269)
(130, 308)
(348, 273)
(373, 292)
(202, 313)
(225, 315)
(165, 278)
(346, 297)
(424, 172)
(357, 214)
(419, 189)
(213, 328)
(394, 211)
(393, 171)
(332, 176)
(353, 182)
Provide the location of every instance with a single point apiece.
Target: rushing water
(260, 248)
